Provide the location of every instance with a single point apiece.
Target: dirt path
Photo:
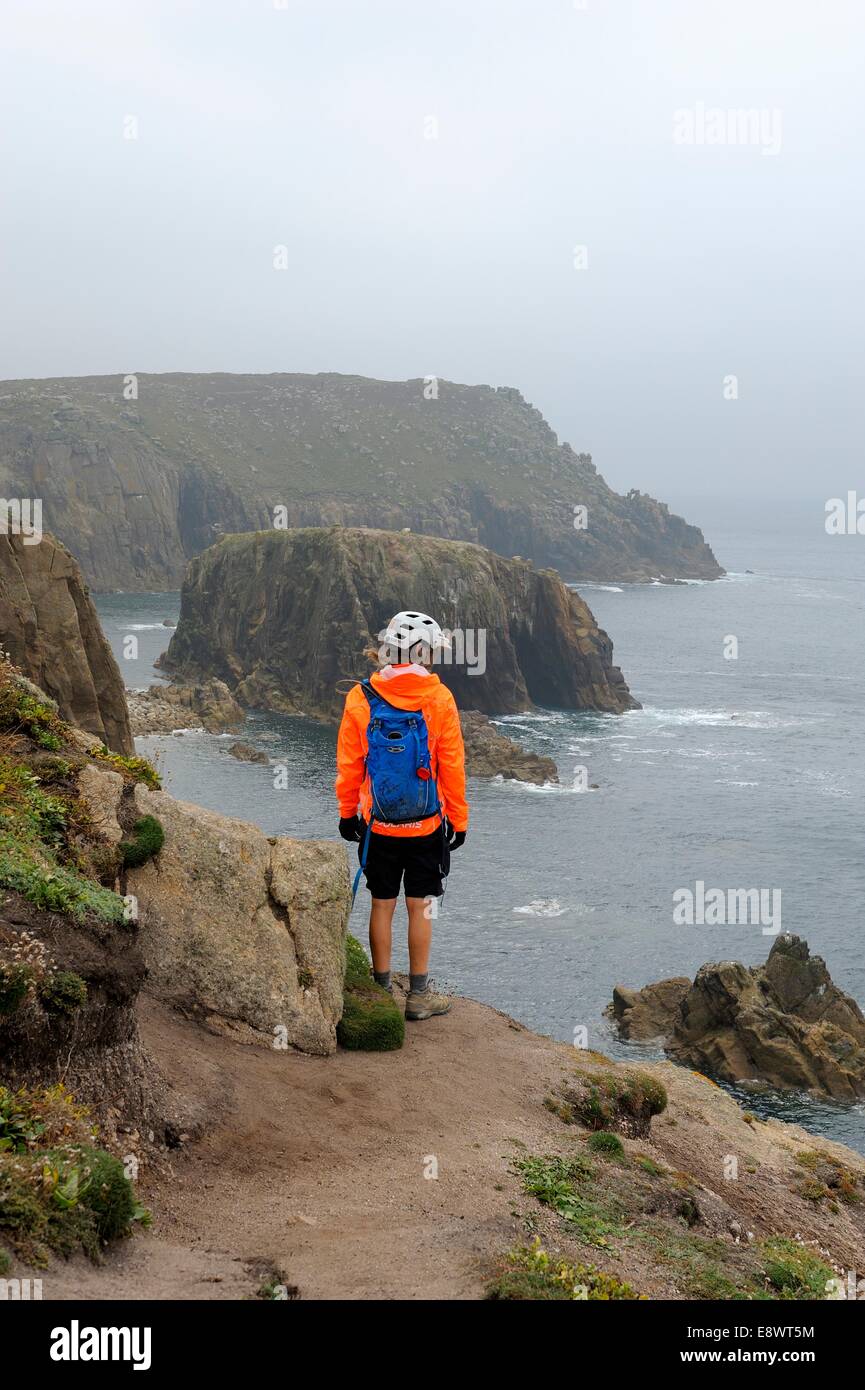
(316, 1167)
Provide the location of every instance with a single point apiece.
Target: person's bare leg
(422, 1002)
(381, 933)
(419, 935)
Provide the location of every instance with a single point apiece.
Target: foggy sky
(303, 125)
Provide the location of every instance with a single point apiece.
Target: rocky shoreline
(166, 709)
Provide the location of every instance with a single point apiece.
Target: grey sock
(419, 983)
(382, 977)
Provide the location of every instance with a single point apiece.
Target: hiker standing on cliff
(401, 788)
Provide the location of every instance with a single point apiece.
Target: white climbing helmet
(408, 633)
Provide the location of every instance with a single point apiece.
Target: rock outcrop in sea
(490, 753)
(135, 488)
(284, 618)
(161, 709)
(50, 629)
(784, 1023)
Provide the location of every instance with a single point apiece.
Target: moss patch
(22, 711)
(62, 992)
(793, 1271)
(371, 1021)
(825, 1179)
(32, 872)
(148, 837)
(48, 845)
(602, 1142)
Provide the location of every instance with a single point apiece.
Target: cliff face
(284, 619)
(50, 628)
(135, 488)
(243, 932)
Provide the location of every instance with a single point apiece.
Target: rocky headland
(136, 488)
(490, 753)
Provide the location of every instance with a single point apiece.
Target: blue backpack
(398, 765)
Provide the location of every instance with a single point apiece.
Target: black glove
(454, 838)
(351, 827)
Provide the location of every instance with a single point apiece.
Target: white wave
(529, 717)
(193, 729)
(714, 718)
(556, 788)
(142, 627)
(542, 907)
(602, 588)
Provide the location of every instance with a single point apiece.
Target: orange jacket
(407, 690)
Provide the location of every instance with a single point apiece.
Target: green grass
(649, 1165)
(602, 1142)
(564, 1185)
(711, 1269)
(21, 711)
(62, 992)
(54, 888)
(131, 769)
(43, 833)
(793, 1271)
(609, 1101)
(530, 1273)
(59, 1191)
(827, 1180)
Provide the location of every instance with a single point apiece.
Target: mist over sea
(743, 773)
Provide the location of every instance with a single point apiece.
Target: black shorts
(419, 862)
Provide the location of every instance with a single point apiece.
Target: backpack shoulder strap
(373, 698)
(371, 694)
(369, 690)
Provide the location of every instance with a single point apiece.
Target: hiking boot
(418, 1006)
